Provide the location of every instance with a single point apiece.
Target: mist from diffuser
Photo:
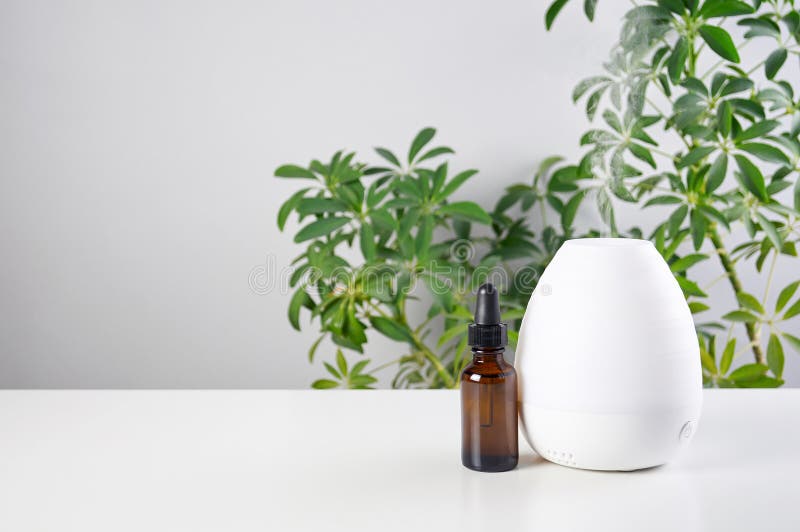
(608, 359)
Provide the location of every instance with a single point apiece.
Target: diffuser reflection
(541, 496)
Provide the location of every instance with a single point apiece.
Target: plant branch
(386, 365)
(769, 279)
(736, 284)
(448, 380)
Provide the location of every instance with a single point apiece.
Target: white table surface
(197, 461)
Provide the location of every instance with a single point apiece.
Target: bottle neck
(487, 354)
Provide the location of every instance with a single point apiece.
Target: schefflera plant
(737, 167)
(379, 236)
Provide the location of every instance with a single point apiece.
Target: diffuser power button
(686, 431)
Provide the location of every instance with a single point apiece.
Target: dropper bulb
(487, 307)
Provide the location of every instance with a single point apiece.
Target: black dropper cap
(488, 330)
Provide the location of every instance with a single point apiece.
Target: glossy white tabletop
(144, 461)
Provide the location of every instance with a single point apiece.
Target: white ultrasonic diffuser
(608, 360)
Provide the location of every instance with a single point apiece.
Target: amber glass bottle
(488, 392)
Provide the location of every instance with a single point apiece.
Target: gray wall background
(138, 140)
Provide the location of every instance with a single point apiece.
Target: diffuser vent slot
(557, 456)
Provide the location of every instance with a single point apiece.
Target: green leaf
(321, 227)
(760, 382)
(698, 226)
(419, 142)
(765, 152)
(455, 331)
(695, 155)
(642, 153)
(313, 349)
(736, 85)
(792, 21)
(749, 302)
(455, 183)
(797, 195)
(648, 15)
(389, 156)
(759, 129)
(716, 174)
(676, 6)
(774, 62)
(696, 86)
(294, 171)
(696, 307)
(684, 263)
(640, 134)
(612, 120)
(466, 210)
(773, 188)
(392, 329)
(332, 370)
(760, 27)
(324, 384)
(383, 219)
(677, 59)
(689, 288)
(662, 200)
(707, 361)
(361, 382)
(713, 214)
(750, 109)
(793, 311)
(748, 372)
(367, 242)
(570, 210)
(785, 295)
(606, 208)
(727, 356)
(724, 118)
(676, 219)
(740, 316)
(358, 366)
(299, 300)
(619, 189)
(435, 152)
(586, 84)
(794, 341)
(589, 7)
(775, 358)
(751, 178)
(441, 291)
(400, 203)
(341, 363)
(769, 228)
(724, 8)
(720, 41)
(308, 206)
(598, 136)
(424, 236)
(288, 206)
(552, 12)
(593, 102)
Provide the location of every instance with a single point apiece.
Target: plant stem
(449, 382)
(736, 284)
(378, 309)
(662, 153)
(543, 208)
(430, 355)
(677, 132)
(386, 365)
(715, 281)
(769, 279)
